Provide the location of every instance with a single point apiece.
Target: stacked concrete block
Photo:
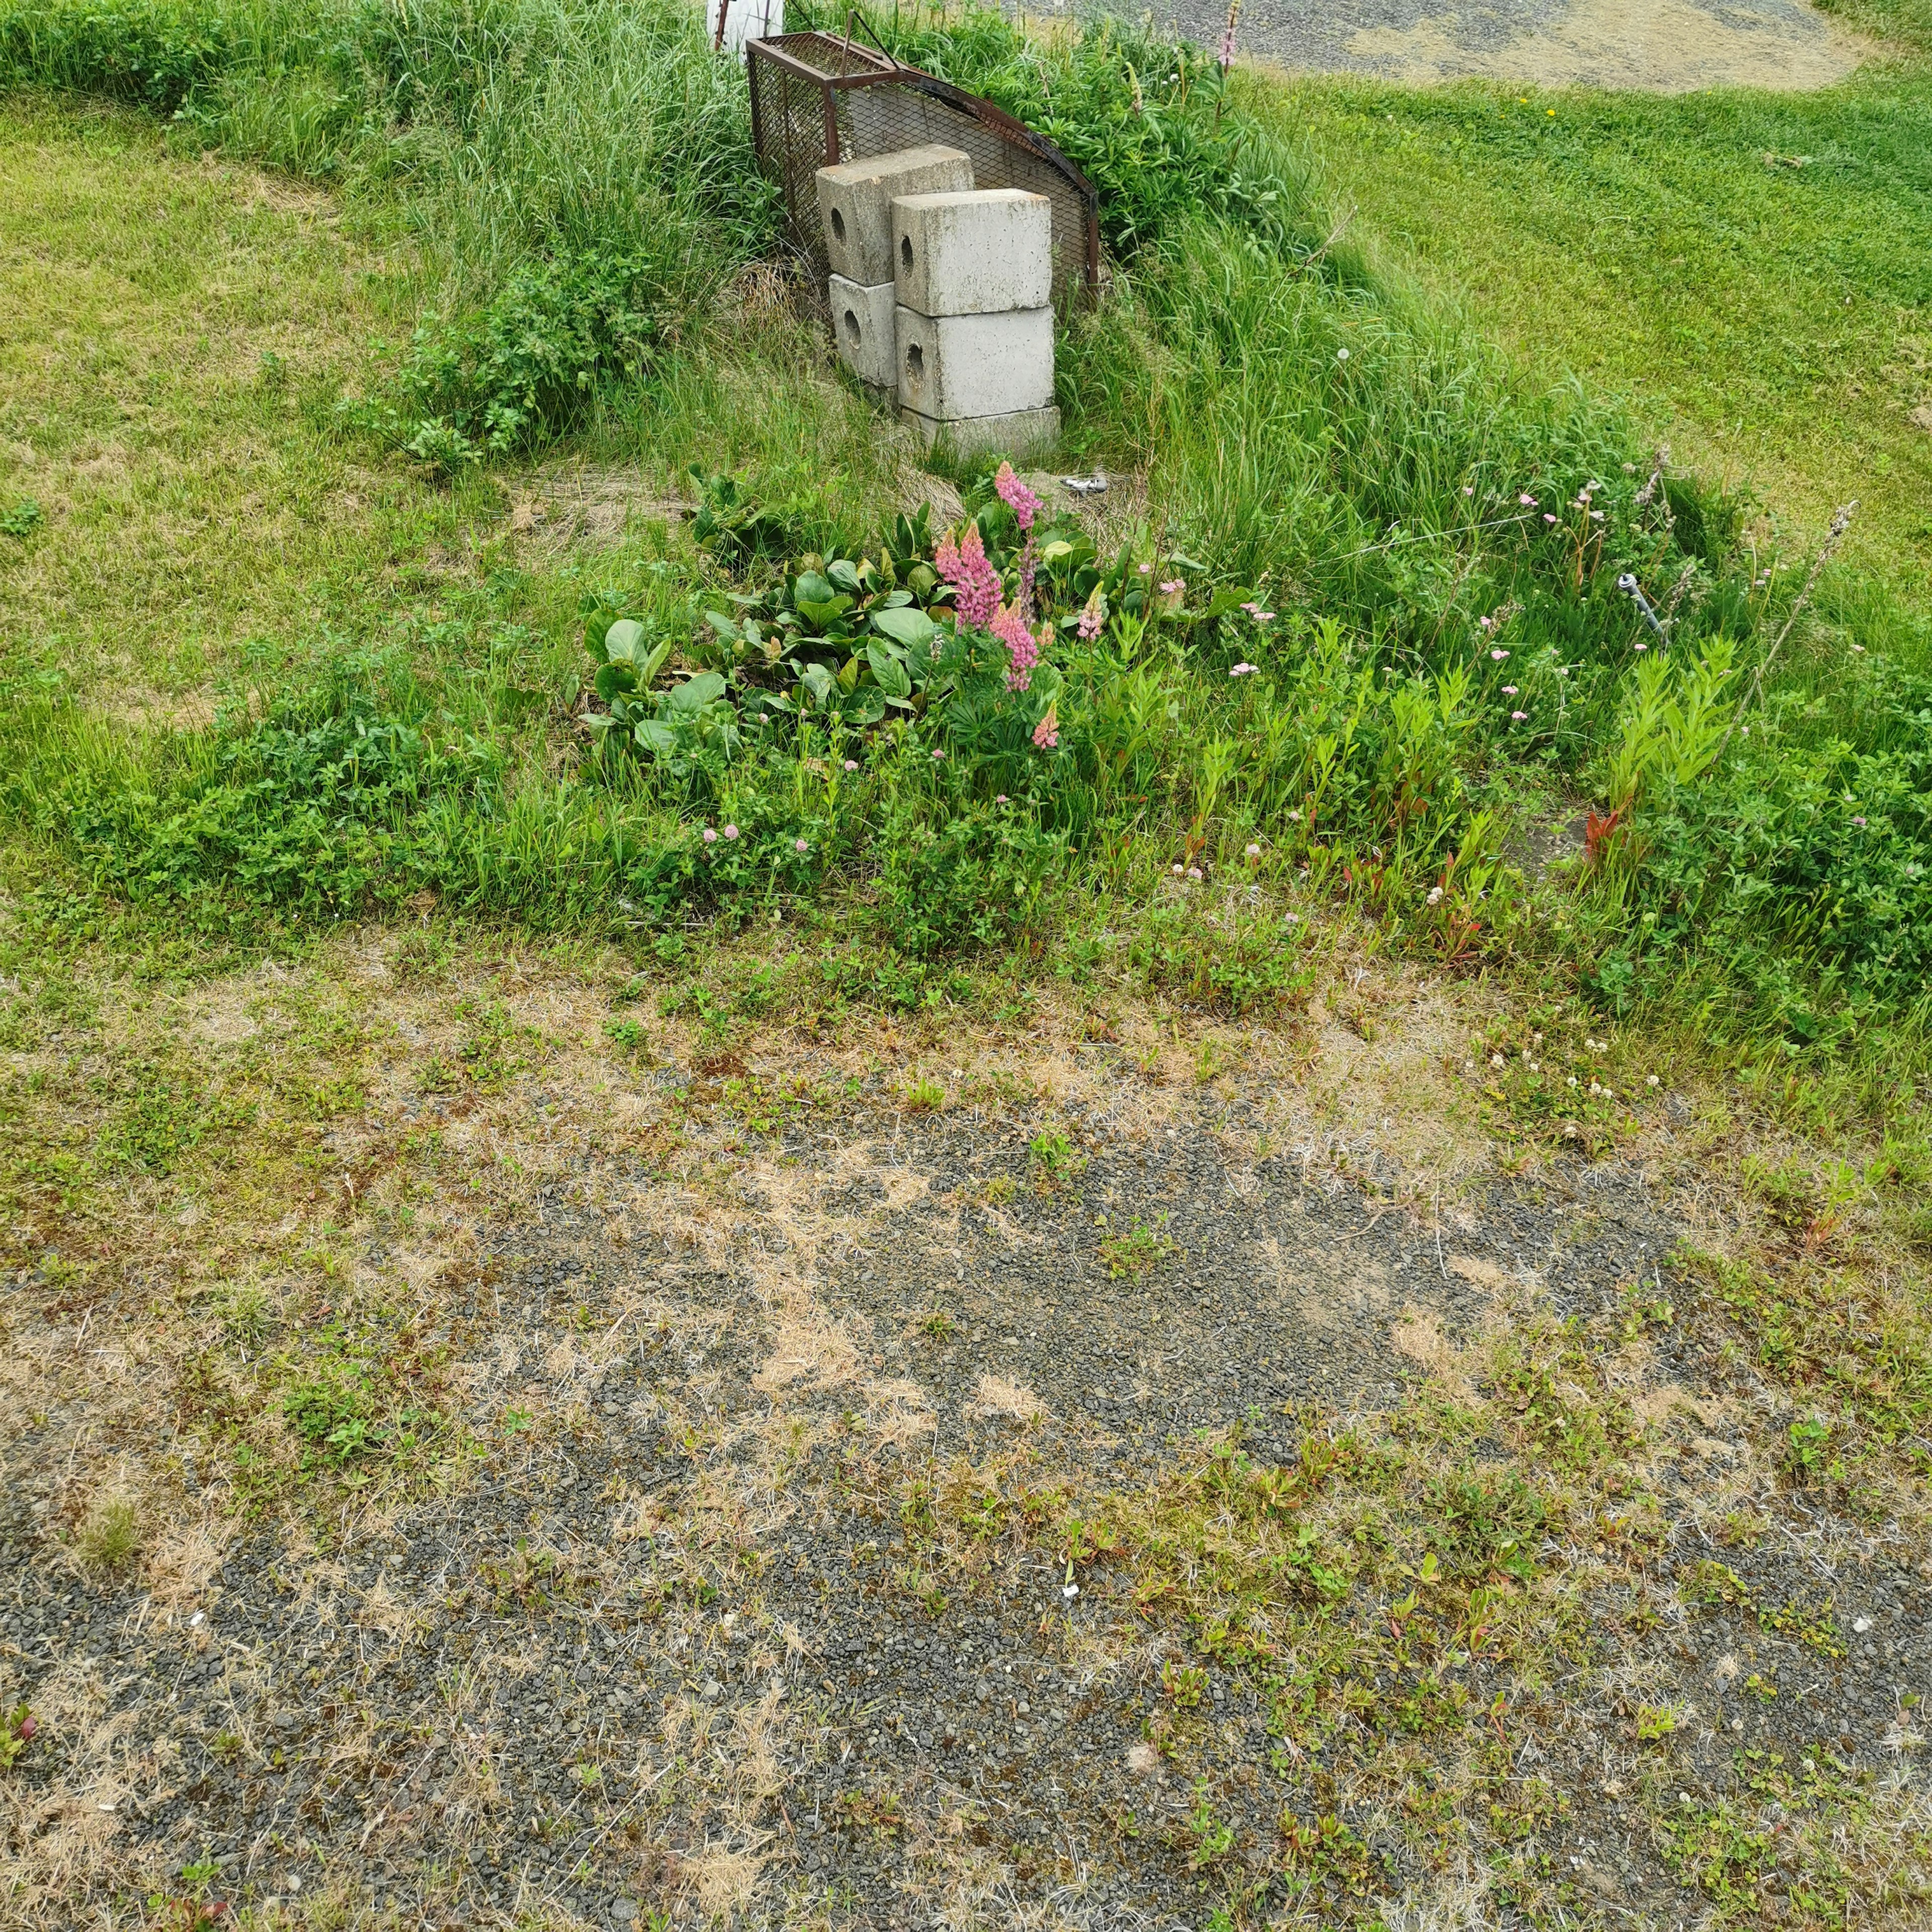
(973, 327)
(855, 204)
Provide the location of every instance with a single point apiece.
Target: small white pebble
(1861, 1624)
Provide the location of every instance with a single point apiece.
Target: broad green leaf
(904, 626)
(1053, 552)
(895, 680)
(867, 706)
(655, 737)
(695, 693)
(844, 574)
(624, 641)
(817, 680)
(812, 588)
(614, 679)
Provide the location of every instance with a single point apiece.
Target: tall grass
(1440, 539)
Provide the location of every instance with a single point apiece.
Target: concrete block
(954, 366)
(1013, 434)
(864, 323)
(855, 204)
(980, 253)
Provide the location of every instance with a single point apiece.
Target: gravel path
(670, 1634)
(1664, 46)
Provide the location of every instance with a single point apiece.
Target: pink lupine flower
(1017, 497)
(1010, 626)
(1093, 615)
(1227, 55)
(976, 583)
(1046, 733)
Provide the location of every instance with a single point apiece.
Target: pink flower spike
(1046, 733)
(731, 832)
(1093, 615)
(1017, 497)
(710, 837)
(976, 583)
(1010, 626)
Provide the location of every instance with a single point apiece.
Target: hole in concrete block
(852, 325)
(915, 360)
(838, 226)
(905, 250)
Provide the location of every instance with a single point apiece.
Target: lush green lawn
(1755, 271)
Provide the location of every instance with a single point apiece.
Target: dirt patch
(583, 505)
(815, 1514)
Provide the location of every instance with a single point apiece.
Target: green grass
(1754, 271)
(286, 660)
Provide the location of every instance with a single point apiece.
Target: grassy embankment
(275, 666)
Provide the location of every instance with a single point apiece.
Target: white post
(735, 22)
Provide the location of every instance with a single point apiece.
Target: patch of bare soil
(1124, 1496)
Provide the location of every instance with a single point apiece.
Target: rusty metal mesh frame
(821, 98)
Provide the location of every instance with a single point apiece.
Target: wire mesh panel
(818, 98)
